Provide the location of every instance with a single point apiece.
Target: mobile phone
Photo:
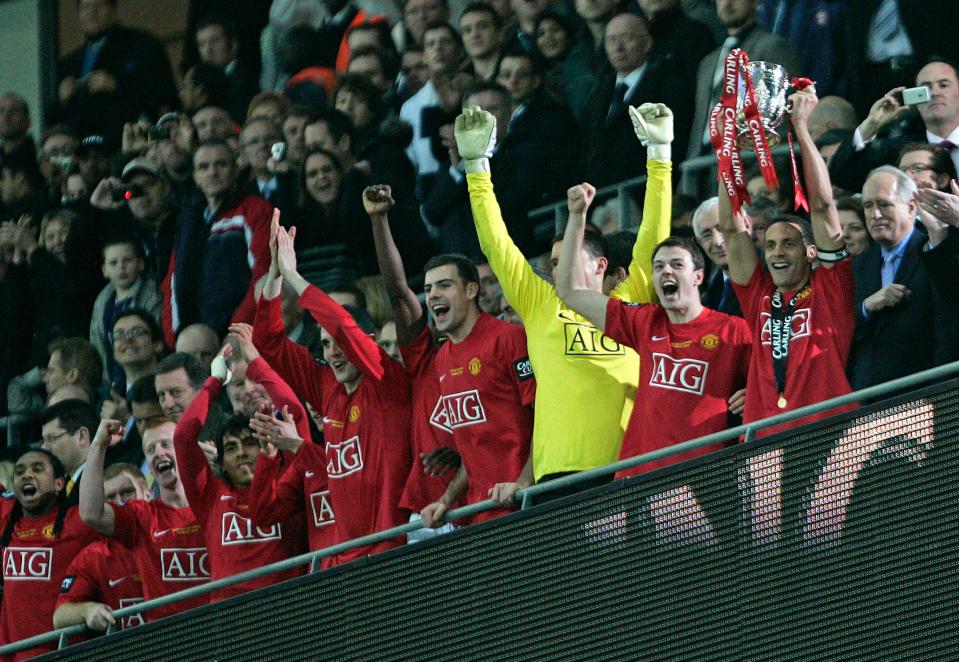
(127, 193)
(914, 96)
(278, 151)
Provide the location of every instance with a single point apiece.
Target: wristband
(832, 256)
(658, 152)
(476, 165)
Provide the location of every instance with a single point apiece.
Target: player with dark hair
(41, 534)
(692, 359)
(364, 396)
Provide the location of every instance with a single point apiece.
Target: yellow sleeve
(656, 225)
(524, 290)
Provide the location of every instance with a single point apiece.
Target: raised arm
(361, 350)
(740, 250)
(570, 276)
(407, 312)
(653, 125)
(825, 217)
(475, 132)
(94, 510)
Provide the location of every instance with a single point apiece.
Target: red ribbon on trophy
(799, 197)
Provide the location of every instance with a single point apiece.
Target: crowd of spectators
(298, 297)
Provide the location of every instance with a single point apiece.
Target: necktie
(889, 265)
(948, 145)
(618, 102)
(887, 22)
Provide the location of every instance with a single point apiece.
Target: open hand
(475, 132)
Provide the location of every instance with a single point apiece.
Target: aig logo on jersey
(322, 509)
(799, 325)
(27, 563)
(344, 458)
(239, 530)
(583, 340)
(185, 564)
(458, 410)
(687, 375)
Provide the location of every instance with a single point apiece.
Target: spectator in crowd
(221, 250)
(235, 541)
(867, 149)
(417, 16)
(896, 298)
(414, 74)
(177, 380)
(431, 107)
(204, 85)
(678, 40)
(294, 134)
(68, 429)
(58, 148)
(15, 142)
(482, 32)
(885, 40)
(71, 361)
(637, 80)
(587, 58)
(145, 412)
(928, 165)
(145, 209)
(742, 30)
(379, 68)
(852, 220)
(36, 515)
(163, 536)
(103, 577)
(276, 185)
(199, 340)
(20, 188)
(115, 76)
(212, 123)
(137, 346)
(571, 356)
(802, 320)
(718, 292)
(488, 297)
(363, 393)
(94, 156)
(70, 392)
(554, 41)
(217, 45)
(127, 290)
(271, 105)
(668, 336)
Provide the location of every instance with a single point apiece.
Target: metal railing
(525, 496)
(551, 219)
(693, 171)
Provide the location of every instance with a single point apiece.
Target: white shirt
(859, 144)
(631, 79)
(419, 150)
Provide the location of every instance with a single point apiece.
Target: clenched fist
(653, 125)
(475, 132)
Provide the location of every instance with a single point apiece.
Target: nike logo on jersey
(114, 582)
(308, 474)
(658, 338)
(160, 534)
(227, 497)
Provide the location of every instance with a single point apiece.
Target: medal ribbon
(780, 333)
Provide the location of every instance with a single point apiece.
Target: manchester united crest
(475, 366)
(48, 532)
(354, 414)
(709, 341)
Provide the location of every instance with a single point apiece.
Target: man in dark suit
(903, 324)
(739, 17)
(611, 152)
(218, 46)
(114, 77)
(68, 429)
(857, 156)
(677, 39)
(717, 290)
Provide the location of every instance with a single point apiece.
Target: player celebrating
(166, 540)
(692, 358)
(573, 429)
(802, 320)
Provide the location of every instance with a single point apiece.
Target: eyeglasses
(919, 167)
(135, 332)
(52, 439)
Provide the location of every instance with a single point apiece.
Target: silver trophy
(770, 83)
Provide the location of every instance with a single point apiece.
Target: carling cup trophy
(770, 83)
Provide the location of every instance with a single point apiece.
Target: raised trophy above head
(770, 83)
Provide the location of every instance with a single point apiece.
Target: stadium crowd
(298, 298)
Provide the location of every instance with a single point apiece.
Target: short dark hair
(618, 248)
(934, 59)
(592, 241)
(804, 227)
(122, 240)
(337, 123)
(213, 81)
(479, 7)
(73, 415)
(939, 156)
(143, 390)
(487, 86)
(464, 266)
(215, 142)
(361, 86)
(852, 204)
(687, 244)
(388, 61)
(228, 26)
(78, 353)
(195, 371)
(156, 333)
(442, 25)
(232, 425)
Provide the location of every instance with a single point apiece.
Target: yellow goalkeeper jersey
(585, 382)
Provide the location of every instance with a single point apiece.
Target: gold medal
(782, 402)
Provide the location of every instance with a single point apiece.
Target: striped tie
(887, 22)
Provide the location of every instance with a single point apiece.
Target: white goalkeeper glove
(653, 124)
(475, 133)
(220, 370)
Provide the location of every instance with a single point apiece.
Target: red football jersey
(34, 565)
(169, 549)
(235, 541)
(822, 329)
(687, 373)
(105, 572)
(487, 386)
(426, 434)
(368, 454)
